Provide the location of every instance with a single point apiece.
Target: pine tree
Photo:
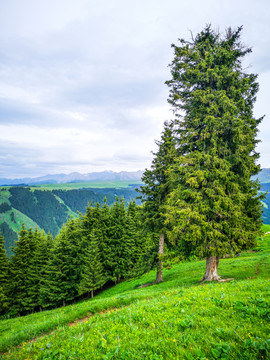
(214, 207)
(61, 281)
(97, 220)
(40, 261)
(4, 267)
(117, 260)
(22, 286)
(157, 187)
(133, 240)
(92, 277)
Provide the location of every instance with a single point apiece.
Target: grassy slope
(92, 184)
(15, 218)
(20, 218)
(178, 319)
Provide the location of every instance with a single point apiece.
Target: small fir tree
(156, 189)
(61, 281)
(92, 277)
(21, 272)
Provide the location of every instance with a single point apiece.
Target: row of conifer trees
(101, 247)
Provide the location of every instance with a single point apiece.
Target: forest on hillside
(48, 209)
(104, 246)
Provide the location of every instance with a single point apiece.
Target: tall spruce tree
(157, 187)
(214, 206)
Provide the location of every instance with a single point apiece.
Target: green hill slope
(49, 207)
(10, 224)
(34, 208)
(180, 318)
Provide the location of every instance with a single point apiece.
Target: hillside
(180, 318)
(264, 176)
(49, 207)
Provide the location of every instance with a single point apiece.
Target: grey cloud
(20, 113)
(102, 65)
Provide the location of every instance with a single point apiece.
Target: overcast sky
(82, 81)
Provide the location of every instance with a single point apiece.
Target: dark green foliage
(40, 260)
(214, 207)
(21, 272)
(92, 275)
(156, 181)
(156, 189)
(104, 245)
(27, 270)
(10, 237)
(41, 206)
(5, 207)
(78, 200)
(51, 209)
(4, 267)
(62, 273)
(116, 241)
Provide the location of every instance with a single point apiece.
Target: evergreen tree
(103, 236)
(21, 273)
(4, 267)
(92, 277)
(97, 220)
(40, 261)
(214, 206)
(133, 241)
(157, 187)
(62, 278)
(117, 260)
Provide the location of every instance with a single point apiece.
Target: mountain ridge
(107, 175)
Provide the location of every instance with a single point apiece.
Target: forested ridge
(48, 209)
(103, 246)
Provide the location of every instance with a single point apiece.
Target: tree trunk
(159, 264)
(211, 272)
(92, 294)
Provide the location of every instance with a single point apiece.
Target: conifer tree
(22, 300)
(4, 267)
(63, 270)
(40, 261)
(103, 236)
(157, 187)
(214, 207)
(117, 260)
(133, 240)
(92, 277)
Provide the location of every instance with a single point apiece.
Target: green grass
(20, 219)
(4, 195)
(91, 184)
(180, 318)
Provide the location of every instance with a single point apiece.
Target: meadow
(117, 184)
(180, 318)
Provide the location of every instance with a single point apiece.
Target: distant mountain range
(107, 175)
(75, 177)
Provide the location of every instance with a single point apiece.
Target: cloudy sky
(82, 81)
